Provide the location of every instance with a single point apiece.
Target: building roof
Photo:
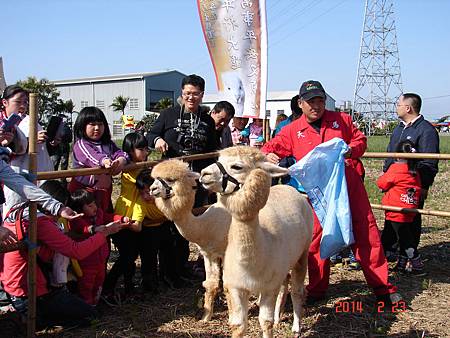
(113, 77)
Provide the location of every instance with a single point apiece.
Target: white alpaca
(209, 230)
(269, 235)
(234, 91)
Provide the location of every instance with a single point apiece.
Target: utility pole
(379, 81)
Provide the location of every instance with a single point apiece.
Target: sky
(307, 39)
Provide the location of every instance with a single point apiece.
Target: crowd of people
(138, 229)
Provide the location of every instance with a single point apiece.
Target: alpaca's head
(174, 187)
(238, 162)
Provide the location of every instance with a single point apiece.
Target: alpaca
(174, 191)
(270, 234)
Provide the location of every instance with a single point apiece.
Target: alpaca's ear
(194, 175)
(273, 170)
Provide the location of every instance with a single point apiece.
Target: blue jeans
(58, 307)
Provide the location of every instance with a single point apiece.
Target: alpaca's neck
(179, 209)
(245, 239)
(247, 201)
(190, 226)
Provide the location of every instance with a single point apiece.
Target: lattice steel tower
(379, 81)
(2, 76)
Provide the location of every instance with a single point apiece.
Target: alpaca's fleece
(174, 169)
(250, 154)
(208, 231)
(177, 175)
(246, 202)
(269, 235)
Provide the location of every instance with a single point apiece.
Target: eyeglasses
(20, 102)
(400, 105)
(195, 95)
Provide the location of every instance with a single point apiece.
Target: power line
(274, 4)
(302, 10)
(307, 24)
(435, 97)
(285, 11)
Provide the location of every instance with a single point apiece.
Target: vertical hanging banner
(236, 35)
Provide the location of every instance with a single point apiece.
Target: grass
(439, 193)
(379, 143)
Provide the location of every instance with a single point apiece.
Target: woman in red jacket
(402, 188)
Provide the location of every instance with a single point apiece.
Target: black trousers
(126, 242)
(153, 242)
(406, 238)
(58, 307)
(389, 235)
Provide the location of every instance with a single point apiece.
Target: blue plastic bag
(322, 174)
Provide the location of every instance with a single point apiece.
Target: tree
(164, 103)
(68, 109)
(120, 103)
(148, 121)
(69, 106)
(48, 97)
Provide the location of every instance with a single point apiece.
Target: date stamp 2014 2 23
(356, 306)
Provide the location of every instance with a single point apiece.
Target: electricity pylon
(379, 81)
(2, 77)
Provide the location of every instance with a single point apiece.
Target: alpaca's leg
(211, 285)
(238, 311)
(266, 312)
(298, 274)
(281, 300)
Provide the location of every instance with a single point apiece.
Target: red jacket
(80, 227)
(14, 265)
(402, 189)
(299, 137)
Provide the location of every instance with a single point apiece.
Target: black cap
(310, 89)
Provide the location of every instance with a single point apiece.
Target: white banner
(236, 36)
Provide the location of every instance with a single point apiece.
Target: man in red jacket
(318, 125)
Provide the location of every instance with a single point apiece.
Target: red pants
(90, 284)
(367, 247)
(102, 196)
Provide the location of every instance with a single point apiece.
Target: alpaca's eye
(170, 180)
(236, 167)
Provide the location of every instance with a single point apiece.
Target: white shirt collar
(410, 123)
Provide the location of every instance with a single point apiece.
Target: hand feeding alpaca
(174, 191)
(269, 235)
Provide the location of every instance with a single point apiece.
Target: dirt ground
(176, 313)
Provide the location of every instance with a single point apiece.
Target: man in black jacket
(186, 129)
(415, 128)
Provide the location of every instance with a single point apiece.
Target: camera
(188, 143)
(192, 133)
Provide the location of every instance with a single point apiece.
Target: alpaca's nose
(205, 176)
(154, 191)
